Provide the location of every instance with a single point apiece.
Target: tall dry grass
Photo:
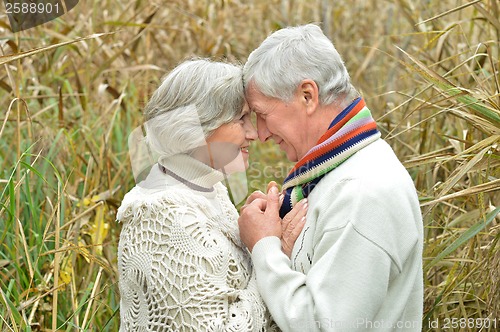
(429, 71)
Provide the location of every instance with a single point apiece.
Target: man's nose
(262, 130)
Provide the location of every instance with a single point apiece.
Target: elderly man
(357, 263)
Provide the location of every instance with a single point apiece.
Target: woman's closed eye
(244, 117)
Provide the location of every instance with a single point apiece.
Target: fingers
(272, 208)
(262, 199)
(271, 184)
(258, 203)
(292, 225)
(255, 195)
(296, 229)
(259, 194)
(293, 213)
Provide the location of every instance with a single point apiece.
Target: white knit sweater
(182, 266)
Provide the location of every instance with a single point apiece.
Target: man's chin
(291, 156)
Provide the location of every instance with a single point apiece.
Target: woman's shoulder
(145, 201)
(186, 216)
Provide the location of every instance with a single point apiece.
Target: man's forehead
(251, 91)
(254, 98)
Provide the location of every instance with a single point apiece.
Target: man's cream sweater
(357, 265)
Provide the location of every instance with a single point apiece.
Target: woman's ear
(309, 95)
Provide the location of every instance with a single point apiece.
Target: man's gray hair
(194, 99)
(293, 54)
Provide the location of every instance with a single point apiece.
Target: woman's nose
(251, 132)
(262, 130)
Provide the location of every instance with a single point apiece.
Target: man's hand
(259, 218)
(291, 225)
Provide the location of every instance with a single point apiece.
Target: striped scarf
(352, 130)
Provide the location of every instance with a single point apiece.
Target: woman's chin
(245, 155)
(238, 164)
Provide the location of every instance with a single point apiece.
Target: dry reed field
(72, 90)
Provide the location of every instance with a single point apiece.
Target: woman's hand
(291, 226)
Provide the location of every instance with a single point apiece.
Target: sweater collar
(190, 172)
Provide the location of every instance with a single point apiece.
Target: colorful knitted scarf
(352, 130)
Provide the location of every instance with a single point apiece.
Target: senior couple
(337, 248)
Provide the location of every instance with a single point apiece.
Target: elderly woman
(182, 265)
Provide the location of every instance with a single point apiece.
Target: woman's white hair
(194, 99)
(293, 54)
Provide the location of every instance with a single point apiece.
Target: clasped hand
(259, 218)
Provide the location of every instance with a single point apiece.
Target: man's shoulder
(373, 181)
(375, 167)
(374, 193)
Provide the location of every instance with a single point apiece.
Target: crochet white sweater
(182, 266)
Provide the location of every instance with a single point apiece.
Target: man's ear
(309, 95)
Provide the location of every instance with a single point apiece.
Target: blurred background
(72, 90)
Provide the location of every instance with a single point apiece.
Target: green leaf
(460, 94)
(14, 314)
(466, 236)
